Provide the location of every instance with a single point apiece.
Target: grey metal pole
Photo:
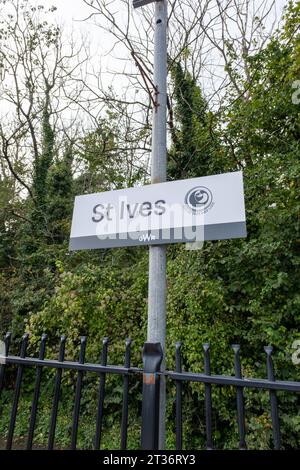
(157, 254)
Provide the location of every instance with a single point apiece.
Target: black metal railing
(152, 357)
(240, 383)
(59, 365)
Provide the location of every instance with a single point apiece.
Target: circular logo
(199, 199)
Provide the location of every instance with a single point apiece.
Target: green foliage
(59, 198)
(97, 301)
(45, 159)
(110, 438)
(104, 166)
(193, 141)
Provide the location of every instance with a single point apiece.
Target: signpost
(207, 208)
(141, 3)
(157, 253)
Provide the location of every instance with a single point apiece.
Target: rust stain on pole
(149, 379)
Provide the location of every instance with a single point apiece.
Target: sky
(72, 13)
(72, 10)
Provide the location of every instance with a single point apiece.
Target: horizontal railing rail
(237, 381)
(81, 367)
(84, 367)
(231, 380)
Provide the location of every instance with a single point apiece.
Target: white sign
(196, 209)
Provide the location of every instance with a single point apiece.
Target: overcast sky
(72, 12)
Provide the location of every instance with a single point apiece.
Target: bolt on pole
(157, 254)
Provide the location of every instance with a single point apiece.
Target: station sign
(191, 210)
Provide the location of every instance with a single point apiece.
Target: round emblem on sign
(199, 199)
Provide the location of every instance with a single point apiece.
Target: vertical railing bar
(36, 394)
(58, 375)
(78, 394)
(17, 393)
(208, 400)
(124, 424)
(240, 403)
(101, 393)
(273, 400)
(2, 366)
(178, 365)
